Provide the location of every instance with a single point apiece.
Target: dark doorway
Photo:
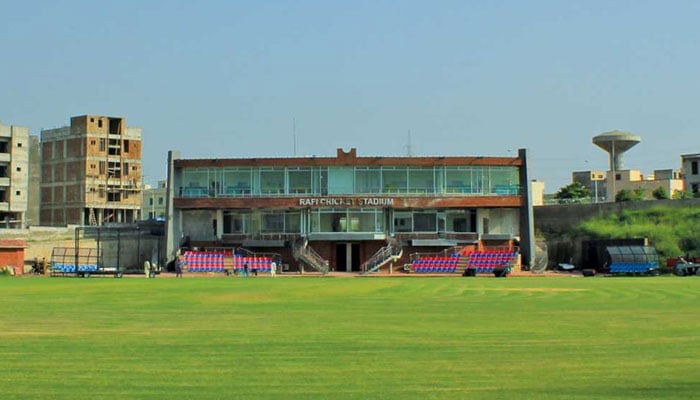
(347, 257)
(355, 259)
(341, 257)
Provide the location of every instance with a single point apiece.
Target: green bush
(672, 231)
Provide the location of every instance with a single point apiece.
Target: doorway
(347, 257)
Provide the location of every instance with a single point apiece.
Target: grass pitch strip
(350, 338)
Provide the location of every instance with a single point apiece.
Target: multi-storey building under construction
(14, 167)
(91, 172)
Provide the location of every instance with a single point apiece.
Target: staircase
(228, 262)
(305, 254)
(389, 253)
(462, 263)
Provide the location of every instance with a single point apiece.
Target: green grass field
(350, 338)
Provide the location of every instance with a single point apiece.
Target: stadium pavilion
(350, 213)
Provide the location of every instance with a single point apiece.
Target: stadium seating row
(631, 267)
(484, 262)
(436, 264)
(202, 261)
(70, 268)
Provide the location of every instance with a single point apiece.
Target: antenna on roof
(409, 150)
(294, 135)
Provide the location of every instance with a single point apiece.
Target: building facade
(14, 175)
(669, 180)
(91, 172)
(690, 169)
(153, 201)
(595, 181)
(347, 207)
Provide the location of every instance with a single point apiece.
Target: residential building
(630, 179)
(690, 172)
(594, 181)
(14, 175)
(153, 201)
(91, 172)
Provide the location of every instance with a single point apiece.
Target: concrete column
(527, 225)
(219, 223)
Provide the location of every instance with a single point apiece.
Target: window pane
(403, 222)
(421, 180)
(195, 182)
(272, 223)
(368, 181)
(458, 180)
(394, 180)
(300, 182)
(340, 180)
(272, 181)
(504, 180)
(238, 181)
(292, 222)
(425, 222)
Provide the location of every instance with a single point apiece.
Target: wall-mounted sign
(346, 201)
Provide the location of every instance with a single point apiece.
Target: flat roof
(350, 158)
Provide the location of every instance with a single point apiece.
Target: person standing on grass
(245, 269)
(147, 268)
(273, 267)
(179, 261)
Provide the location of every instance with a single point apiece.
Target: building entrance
(347, 257)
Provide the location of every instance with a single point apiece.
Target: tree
(630, 195)
(660, 193)
(681, 195)
(572, 192)
(624, 195)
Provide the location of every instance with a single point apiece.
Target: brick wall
(12, 257)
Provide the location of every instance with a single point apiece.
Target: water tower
(616, 143)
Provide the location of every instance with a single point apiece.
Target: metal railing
(309, 256)
(389, 253)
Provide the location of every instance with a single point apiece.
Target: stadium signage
(345, 201)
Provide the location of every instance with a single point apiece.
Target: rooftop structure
(616, 143)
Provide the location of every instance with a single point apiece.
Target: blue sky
(228, 78)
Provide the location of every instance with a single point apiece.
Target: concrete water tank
(616, 143)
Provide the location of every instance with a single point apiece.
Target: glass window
(458, 180)
(272, 223)
(233, 223)
(504, 180)
(421, 180)
(343, 220)
(272, 181)
(394, 180)
(340, 180)
(292, 222)
(403, 222)
(425, 222)
(300, 181)
(237, 181)
(368, 180)
(195, 182)
(460, 221)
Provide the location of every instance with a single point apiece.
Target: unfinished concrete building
(91, 172)
(14, 175)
